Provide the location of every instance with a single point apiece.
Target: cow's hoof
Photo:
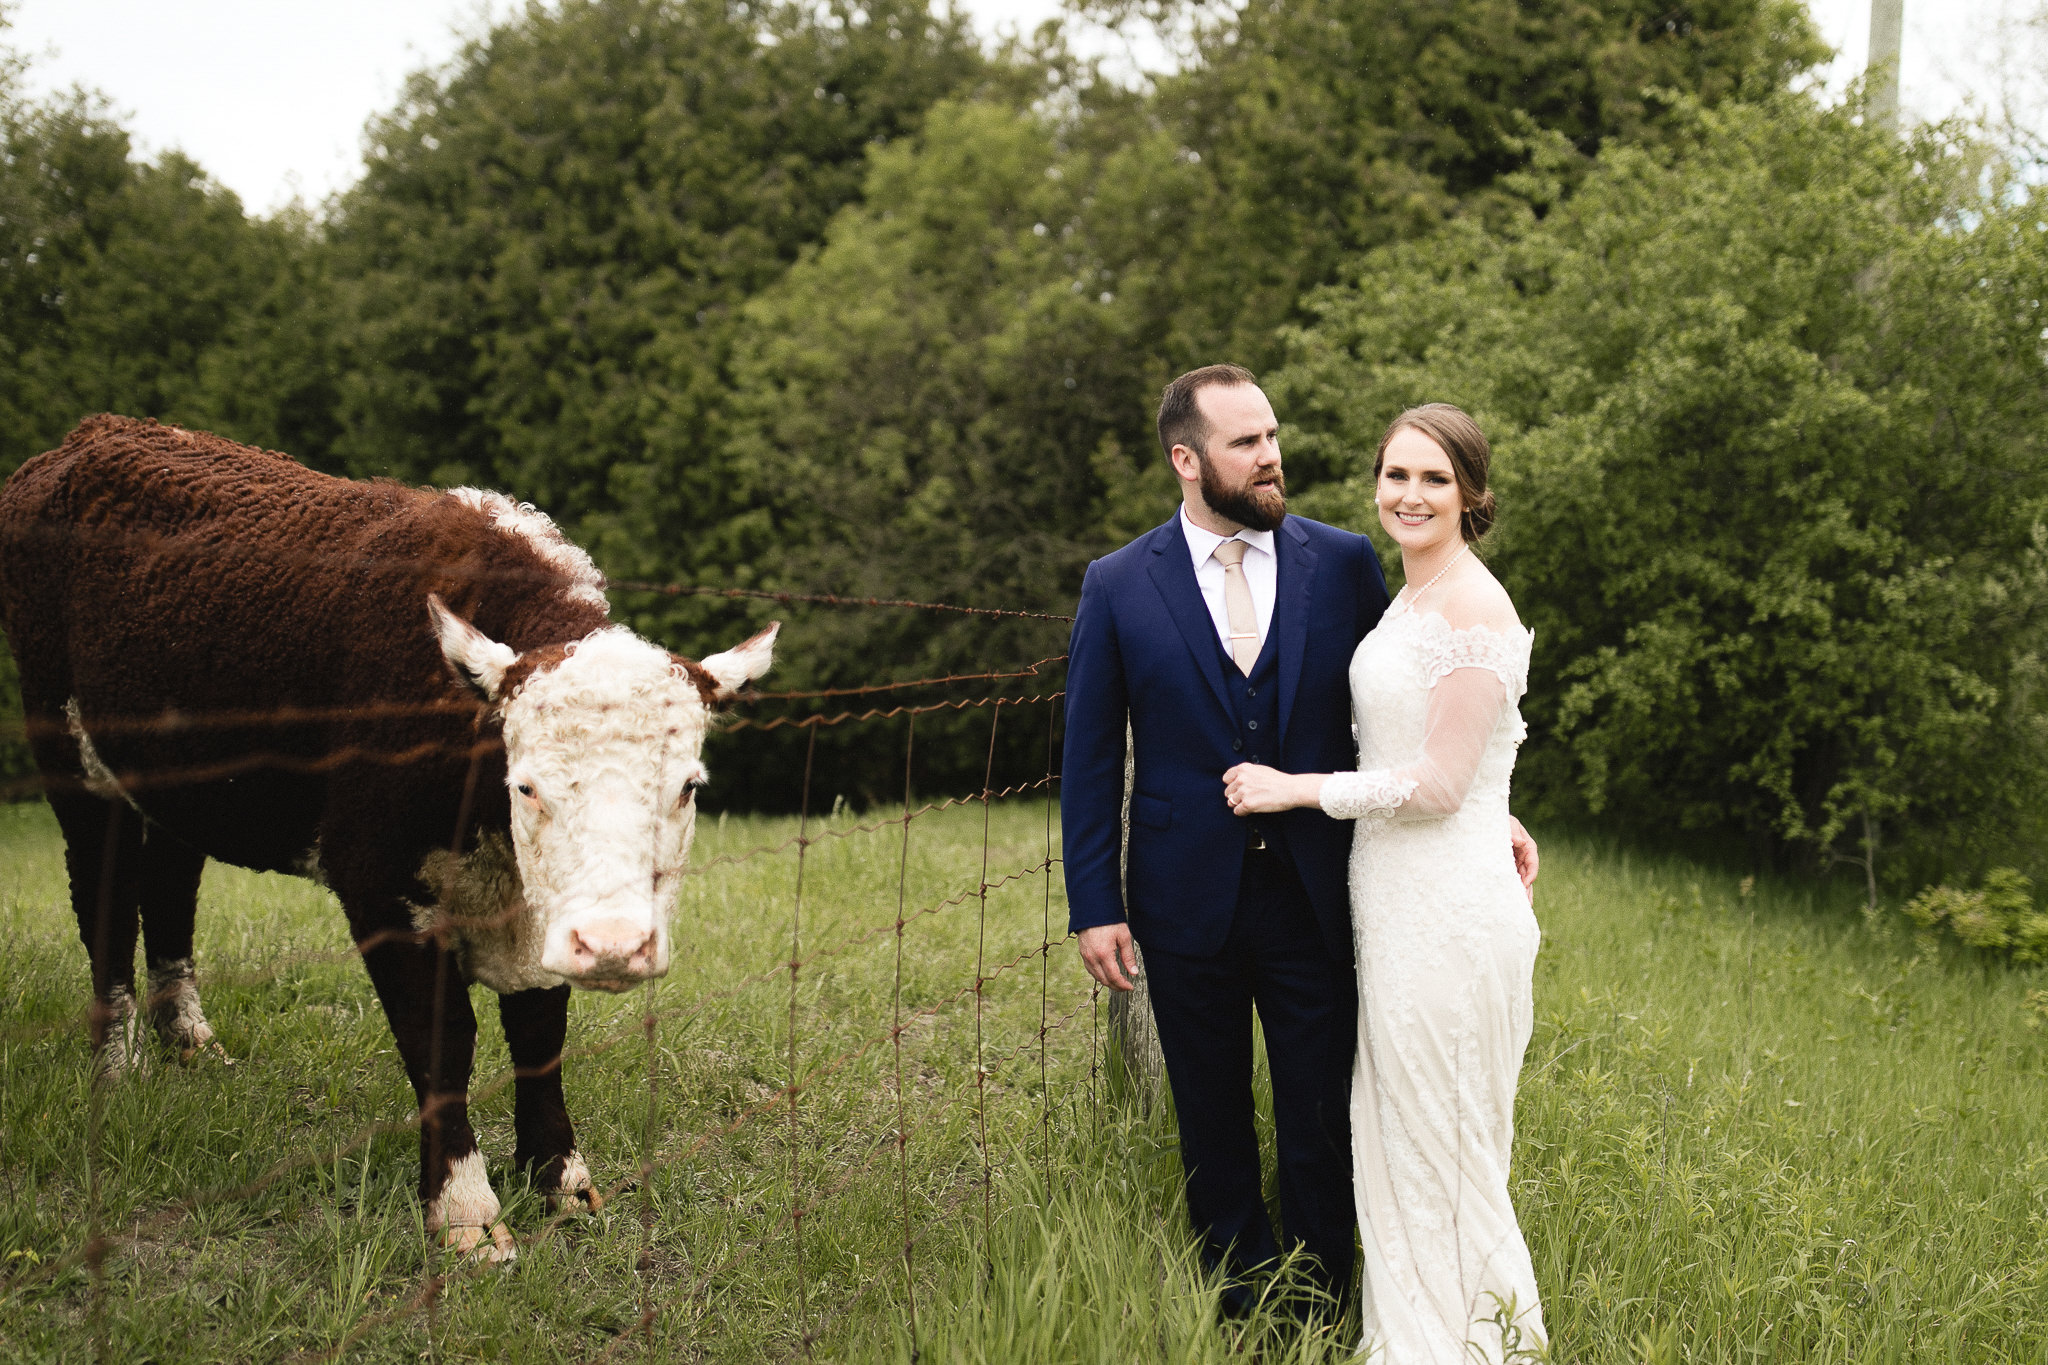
(116, 1039)
(493, 1244)
(581, 1201)
(209, 1051)
(574, 1187)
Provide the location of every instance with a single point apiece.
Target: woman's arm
(1464, 708)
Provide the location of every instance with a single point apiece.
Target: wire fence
(978, 1024)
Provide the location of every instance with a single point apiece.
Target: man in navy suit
(1223, 637)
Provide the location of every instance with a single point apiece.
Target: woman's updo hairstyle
(1453, 429)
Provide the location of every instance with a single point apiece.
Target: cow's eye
(528, 794)
(690, 789)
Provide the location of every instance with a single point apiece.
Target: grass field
(1750, 1129)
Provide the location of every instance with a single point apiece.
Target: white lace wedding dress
(1446, 948)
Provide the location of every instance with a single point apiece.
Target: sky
(271, 96)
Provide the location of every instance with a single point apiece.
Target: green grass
(1750, 1129)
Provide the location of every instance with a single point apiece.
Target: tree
(1329, 127)
(538, 276)
(1784, 557)
(119, 279)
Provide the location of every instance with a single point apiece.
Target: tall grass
(1751, 1128)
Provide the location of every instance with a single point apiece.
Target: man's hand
(1107, 954)
(1525, 856)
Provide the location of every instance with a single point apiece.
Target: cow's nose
(612, 947)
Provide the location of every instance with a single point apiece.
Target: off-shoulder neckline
(1404, 605)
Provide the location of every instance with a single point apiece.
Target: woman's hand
(1254, 789)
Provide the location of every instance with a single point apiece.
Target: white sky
(270, 96)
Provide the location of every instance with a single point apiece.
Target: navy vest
(1255, 704)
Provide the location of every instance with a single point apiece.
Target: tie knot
(1230, 552)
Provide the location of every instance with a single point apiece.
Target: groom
(1223, 637)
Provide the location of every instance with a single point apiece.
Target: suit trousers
(1277, 962)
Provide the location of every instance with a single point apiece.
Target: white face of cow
(603, 757)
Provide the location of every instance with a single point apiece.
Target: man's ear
(478, 660)
(741, 664)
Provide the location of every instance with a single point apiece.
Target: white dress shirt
(1261, 574)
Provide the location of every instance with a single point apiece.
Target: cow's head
(603, 752)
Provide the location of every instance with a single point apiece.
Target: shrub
(1998, 917)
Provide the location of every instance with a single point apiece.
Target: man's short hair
(1180, 419)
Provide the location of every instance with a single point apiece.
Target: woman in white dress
(1445, 934)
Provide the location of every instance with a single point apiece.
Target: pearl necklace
(1440, 573)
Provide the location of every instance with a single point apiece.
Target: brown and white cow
(226, 655)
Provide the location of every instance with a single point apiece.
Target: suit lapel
(1173, 573)
(1296, 585)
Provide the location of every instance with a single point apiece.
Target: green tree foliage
(537, 278)
(124, 285)
(945, 401)
(1768, 416)
(1329, 127)
(952, 398)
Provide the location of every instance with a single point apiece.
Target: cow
(414, 697)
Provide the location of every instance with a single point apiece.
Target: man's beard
(1248, 504)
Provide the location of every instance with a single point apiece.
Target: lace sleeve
(1473, 677)
(1359, 796)
(1503, 653)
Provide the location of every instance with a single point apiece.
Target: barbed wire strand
(823, 599)
(183, 721)
(793, 722)
(194, 545)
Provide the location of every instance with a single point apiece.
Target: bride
(1445, 934)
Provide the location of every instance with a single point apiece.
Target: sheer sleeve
(1464, 708)
(1474, 675)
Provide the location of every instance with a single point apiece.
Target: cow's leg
(437, 1039)
(102, 844)
(170, 899)
(536, 1025)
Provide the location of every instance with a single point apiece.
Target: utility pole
(1887, 30)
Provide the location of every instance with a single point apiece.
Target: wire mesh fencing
(867, 1047)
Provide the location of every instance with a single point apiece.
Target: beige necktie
(1237, 605)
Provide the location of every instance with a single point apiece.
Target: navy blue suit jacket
(1145, 648)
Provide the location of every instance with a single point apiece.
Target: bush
(1998, 917)
(1768, 417)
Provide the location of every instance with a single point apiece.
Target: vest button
(1237, 746)
(1251, 691)
(1251, 725)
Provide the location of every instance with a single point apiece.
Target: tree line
(835, 298)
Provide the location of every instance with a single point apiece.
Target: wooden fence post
(1137, 1069)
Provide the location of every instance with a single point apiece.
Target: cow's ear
(743, 663)
(478, 660)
